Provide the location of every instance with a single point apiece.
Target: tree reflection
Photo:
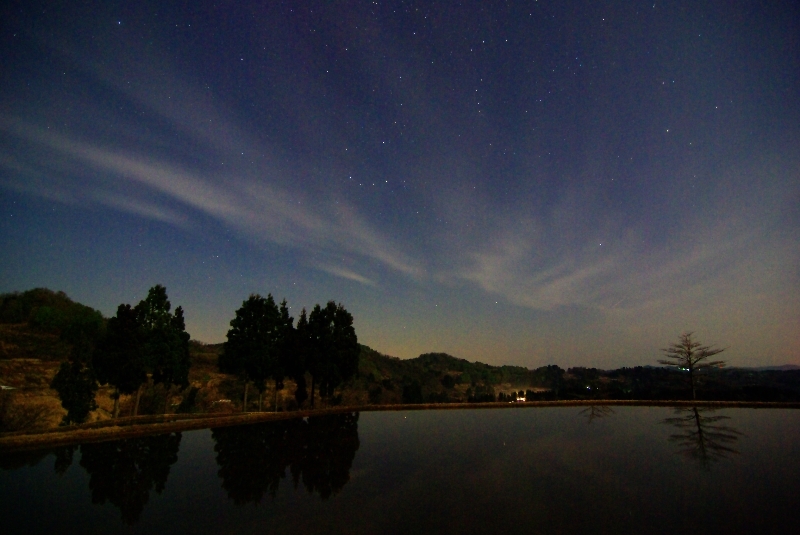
(63, 458)
(593, 412)
(318, 451)
(15, 460)
(124, 472)
(702, 436)
(330, 447)
(252, 458)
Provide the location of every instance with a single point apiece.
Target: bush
(438, 397)
(189, 402)
(375, 395)
(412, 393)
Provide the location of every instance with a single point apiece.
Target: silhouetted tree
(553, 377)
(688, 355)
(298, 364)
(255, 341)
(332, 354)
(314, 338)
(165, 341)
(124, 472)
(285, 345)
(76, 385)
(119, 359)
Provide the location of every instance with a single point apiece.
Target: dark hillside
(441, 378)
(34, 328)
(21, 341)
(44, 310)
(32, 324)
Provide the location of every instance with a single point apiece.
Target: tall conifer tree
(332, 348)
(119, 359)
(165, 340)
(253, 348)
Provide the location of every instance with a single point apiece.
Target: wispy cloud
(346, 274)
(712, 258)
(255, 208)
(143, 209)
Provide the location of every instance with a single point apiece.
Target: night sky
(524, 183)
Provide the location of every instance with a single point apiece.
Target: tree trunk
(116, 404)
(244, 407)
(260, 398)
(313, 381)
(691, 378)
(138, 397)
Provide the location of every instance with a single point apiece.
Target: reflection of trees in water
(702, 436)
(63, 458)
(124, 471)
(593, 412)
(13, 461)
(251, 457)
(330, 447)
(63, 455)
(318, 451)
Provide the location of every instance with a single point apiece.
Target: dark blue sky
(513, 182)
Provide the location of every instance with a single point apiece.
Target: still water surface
(531, 470)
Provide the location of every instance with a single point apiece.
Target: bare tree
(688, 355)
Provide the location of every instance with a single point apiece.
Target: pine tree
(253, 348)
(165, 340)
(284, 347)
(296, 363)
(333, 351)
(119, 359)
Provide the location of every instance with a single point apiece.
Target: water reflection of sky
(465, 471)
